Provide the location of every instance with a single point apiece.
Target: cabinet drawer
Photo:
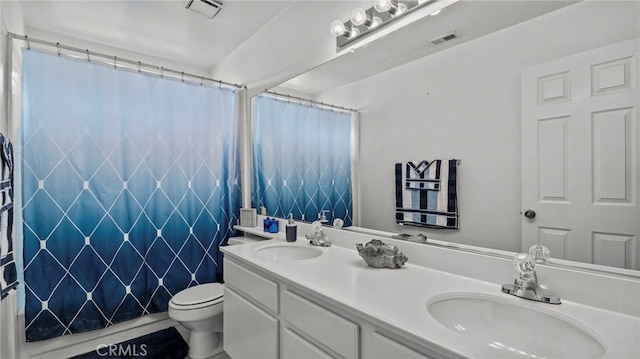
(296, 347)
(337, 333)
(253, 285)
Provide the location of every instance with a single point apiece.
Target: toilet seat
(198, 296)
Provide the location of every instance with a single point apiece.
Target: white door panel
(580, 156)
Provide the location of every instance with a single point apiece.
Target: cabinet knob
(530, 213)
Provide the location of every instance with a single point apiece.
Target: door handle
(530, 213)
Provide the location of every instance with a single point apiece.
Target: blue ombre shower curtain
(129, 184)
(301, 160)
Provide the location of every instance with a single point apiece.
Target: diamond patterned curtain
(129, 185)
(301, 160)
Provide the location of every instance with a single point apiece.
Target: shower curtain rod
(283, 97)
(160, 70)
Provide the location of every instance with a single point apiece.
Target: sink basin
(288, 252)
(517, 329)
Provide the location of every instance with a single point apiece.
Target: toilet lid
(199, 294)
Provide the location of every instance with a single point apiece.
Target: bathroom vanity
(294, 300)
(267, 316)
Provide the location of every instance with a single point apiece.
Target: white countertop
(397, 299)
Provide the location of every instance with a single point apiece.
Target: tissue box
(248, 217)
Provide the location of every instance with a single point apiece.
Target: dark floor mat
(164, 344)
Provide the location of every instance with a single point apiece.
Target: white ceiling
(165, 29)
(160, 28)
(468, 19)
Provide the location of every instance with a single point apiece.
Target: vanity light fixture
(382, 12)
(338, 28)
(393, 7)
(361, 17)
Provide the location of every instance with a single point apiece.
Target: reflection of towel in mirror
(8, 274)
(423, 175)
(435, 208)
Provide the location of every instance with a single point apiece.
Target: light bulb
(359, 17)
(384, 5)
(354, 32)
(337, 28)
(390, 6)
(401, 9)
(375, 22)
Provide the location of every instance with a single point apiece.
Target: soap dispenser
(291, 229)
(322, 216)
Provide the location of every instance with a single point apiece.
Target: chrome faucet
(526, 285)
(318, 237)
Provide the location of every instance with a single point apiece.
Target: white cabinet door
(580, 156)
(249, 332)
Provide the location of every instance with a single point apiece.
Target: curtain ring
(115, 62)
(182, 76)
(219, 84)
(26, 38)
(58, 47)
(88, 58)
(162, 72)
(202, 81)
(139, 66)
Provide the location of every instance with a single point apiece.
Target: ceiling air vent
(444, 38)
(208, 8)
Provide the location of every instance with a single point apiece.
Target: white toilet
(199, 309)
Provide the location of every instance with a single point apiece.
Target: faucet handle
(539, 253)
(316, 226)
(524, 266)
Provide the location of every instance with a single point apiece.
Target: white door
(580, 156)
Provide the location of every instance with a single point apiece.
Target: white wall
(464, 103)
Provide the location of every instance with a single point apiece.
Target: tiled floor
(185, 335)
(222, 355)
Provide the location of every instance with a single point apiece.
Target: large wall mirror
(466, 99)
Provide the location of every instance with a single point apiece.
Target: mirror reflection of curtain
(301, 160)
(130, 185)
